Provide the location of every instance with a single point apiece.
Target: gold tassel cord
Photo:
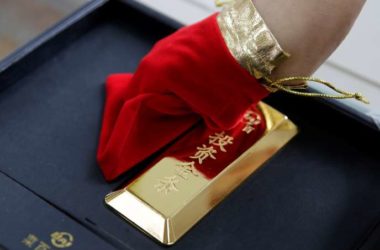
(283, 85)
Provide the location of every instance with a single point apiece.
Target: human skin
(310, 30)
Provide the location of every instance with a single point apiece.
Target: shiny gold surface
(249, 39)
(166, 215)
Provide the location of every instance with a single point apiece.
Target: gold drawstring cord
(281, 84)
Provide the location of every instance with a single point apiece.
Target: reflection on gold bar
(165, 203)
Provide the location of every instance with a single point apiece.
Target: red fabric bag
(187, 77)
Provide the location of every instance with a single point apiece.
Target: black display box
(29, 222)
(321, 192)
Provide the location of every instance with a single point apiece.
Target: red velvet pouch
(188, 76)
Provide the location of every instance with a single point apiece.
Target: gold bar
(167, 212)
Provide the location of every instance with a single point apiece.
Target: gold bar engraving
(171, 196)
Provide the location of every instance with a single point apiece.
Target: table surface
(22, 20)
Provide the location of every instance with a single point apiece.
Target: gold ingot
(166, 215)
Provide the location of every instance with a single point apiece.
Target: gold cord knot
(360, 97)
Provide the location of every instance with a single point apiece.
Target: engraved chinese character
(221, 140)
(248, 129)
(251, 119)
(186, 168)
(42, 246)
(203, 153)
(30, 240)
(167, 184)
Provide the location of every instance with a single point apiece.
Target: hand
(309, 30)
